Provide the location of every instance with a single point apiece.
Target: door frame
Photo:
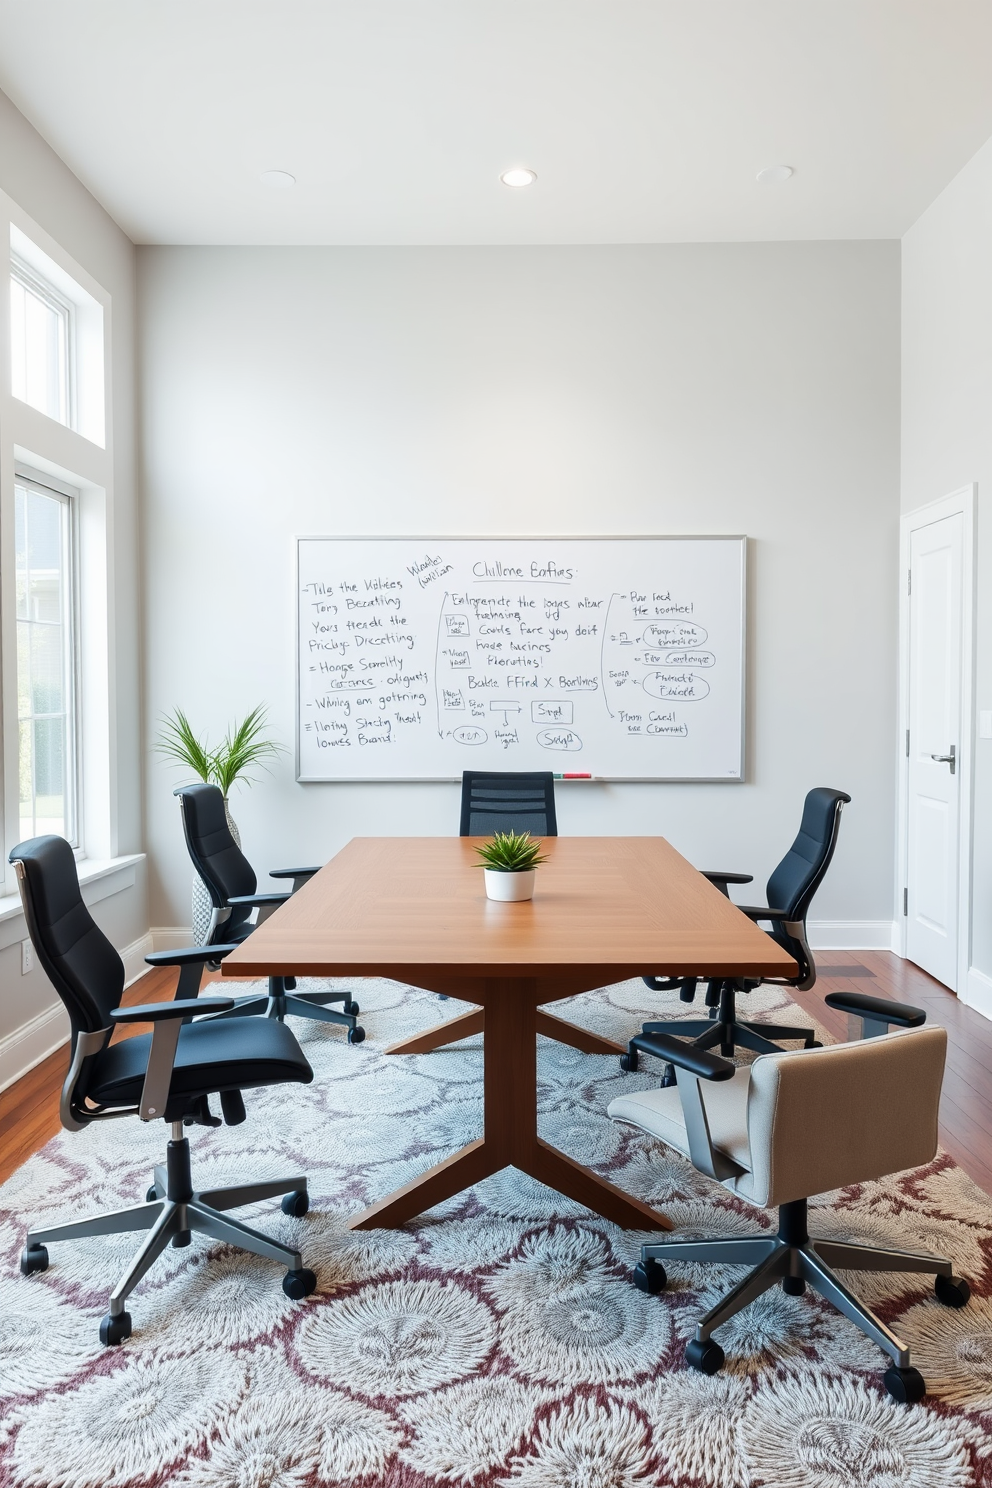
(961, 501)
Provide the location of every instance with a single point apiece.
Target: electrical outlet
(27, 957)
(985, 723)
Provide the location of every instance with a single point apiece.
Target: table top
(415, 909)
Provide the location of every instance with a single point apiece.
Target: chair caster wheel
(34, 1258)
(115, 1329)
(356, 1035)
(813, 1044)
(668, 1076)
(351, 1008)
(628, 1062)
(299, 1284)
(793, 1286)
(650, 1276)
(907, 1386)
(151, 1195)
(296, 1204)
(707, 1357)
(953, 1291)
(182, 1238)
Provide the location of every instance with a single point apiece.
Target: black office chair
(232, 885)
(789, 893)
(503, 801)
(169, 1074)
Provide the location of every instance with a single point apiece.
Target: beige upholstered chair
(792, 1125)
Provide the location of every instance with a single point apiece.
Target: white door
(934, 746)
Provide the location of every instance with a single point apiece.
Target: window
(41, 330)
(46, 691)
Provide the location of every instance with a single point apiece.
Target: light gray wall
(747, 388)
(44, 187)
(947, 427)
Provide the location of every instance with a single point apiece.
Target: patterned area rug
(496, 1340)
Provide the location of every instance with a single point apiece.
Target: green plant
(511, 852)
(242, 747)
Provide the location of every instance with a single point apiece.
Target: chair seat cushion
(212, 1055)
(659, 1113)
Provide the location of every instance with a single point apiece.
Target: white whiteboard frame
(420, 537)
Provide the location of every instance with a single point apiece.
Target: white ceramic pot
(509, 886)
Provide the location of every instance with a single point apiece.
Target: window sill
(99, 878)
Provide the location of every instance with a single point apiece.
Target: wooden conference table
(415, 909)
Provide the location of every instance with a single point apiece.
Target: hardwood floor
(29, 1109)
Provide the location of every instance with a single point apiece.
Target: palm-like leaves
(243, 746)
(511, 852)
(177, 740)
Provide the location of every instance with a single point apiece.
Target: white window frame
(78, 461)
(36, 284)
(49, 485)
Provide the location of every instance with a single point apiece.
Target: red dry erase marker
(576, 777)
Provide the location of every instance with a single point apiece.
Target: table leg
(586, 1187)
(464, 1026)
(510, 1132)
(468, 1024)
(469, 1165)
(565, 1032)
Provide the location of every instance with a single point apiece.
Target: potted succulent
(510, 861)
(243, 746)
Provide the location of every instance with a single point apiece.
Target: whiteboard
(615, 658)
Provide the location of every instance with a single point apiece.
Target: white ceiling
(646, 120)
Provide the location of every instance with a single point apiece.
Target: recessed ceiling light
(519, 175)
(774, 175)
(277, 178)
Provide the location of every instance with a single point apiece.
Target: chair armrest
(186, 1007)
(721, 880)
(698, 1062)
(266, 904)
(762, 912)
(168, 1018)
(191, 961)
(876, 1013)
(260, 900)
(300, 876)
(190, 955)
(691, 1066)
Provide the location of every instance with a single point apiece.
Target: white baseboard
(978, 992)
(171, 937)
(133, 956)
(28, 1045)
(851, 935)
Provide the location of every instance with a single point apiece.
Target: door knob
(946, 759)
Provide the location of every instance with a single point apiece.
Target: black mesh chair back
(800, 873)
(494, 801)
(789, 893)
(82, 965)
(216, 856)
